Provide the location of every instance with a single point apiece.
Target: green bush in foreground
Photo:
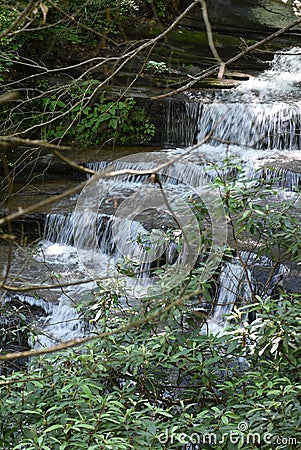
(170, 383)
(164, 387)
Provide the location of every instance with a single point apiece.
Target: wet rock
(255, 16)
(291, 282)
(16, 319)
(236, 24)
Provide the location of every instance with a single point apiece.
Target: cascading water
(281, 81)
(238, 285)
(235, 288)
(254, 125)
(280, 177)
(256, 122)
(177, 116)
(259, 123)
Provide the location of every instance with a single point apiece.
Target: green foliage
(8, 46)
(157, 67)
(105, 17)
(170, 382)
(118, 121)
(255, 212)
(64, 116)
(160, 7)
(105, 121)
(15, 331)
(148, 388)
(51, 32)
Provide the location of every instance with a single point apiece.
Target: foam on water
(280, 80)
(63, 323)
(254, 123)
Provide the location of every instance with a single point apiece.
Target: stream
(90, 236)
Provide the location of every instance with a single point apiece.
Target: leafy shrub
(157, 67)
(117, 121)
(105, 121)
(8, 46)
(64, 116)
(170, 383)
(162, 385)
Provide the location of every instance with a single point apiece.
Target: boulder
(246, 16)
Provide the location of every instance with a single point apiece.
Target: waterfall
(279, 82)
(280, 177)
(98, 166)
(181, 123)
(107, 242)
(55, 322)
(238, 283)
(172, 175)
(59, 228)
(63, 323)
(235, 289)
(263, 112)
(256, 123)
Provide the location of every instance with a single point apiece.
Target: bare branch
(121, 60)
(31, 5)
(32, 143)
(9, 97)
(80, 24)
(210, 39)
(40, 205)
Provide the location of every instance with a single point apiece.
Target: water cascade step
(58, 321)
(256, 123)
(242, 279)
(261, 126)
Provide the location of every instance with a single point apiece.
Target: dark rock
(291, 282)
(246, 16)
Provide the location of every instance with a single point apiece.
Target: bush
(71, 116)
(163, 386)
(169, 382)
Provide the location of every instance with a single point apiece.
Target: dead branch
(69, 344)
(210, 39)
(30, 7)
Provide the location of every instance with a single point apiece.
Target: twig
(31, 5)
(76, 342)
(210, 40)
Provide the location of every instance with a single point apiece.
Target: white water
(59, 323)
(177, 117)
(258, 123)
(235, 289)
(63, 323)
(281, 81)
(255, 125)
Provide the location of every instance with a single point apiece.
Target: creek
(91, 236)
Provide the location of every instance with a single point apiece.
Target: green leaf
(86, 390)
(53, 427)
(113, 123)
(225, 420)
